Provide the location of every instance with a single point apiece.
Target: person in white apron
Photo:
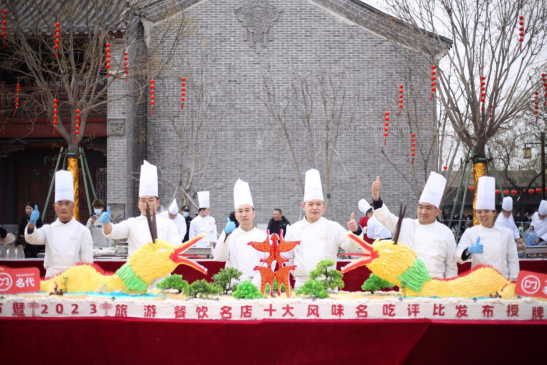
(486, 244)
(232, 245)
(204, 223)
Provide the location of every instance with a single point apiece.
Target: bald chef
(173, 214)
(67, 241)
(432, 241)
(319, 238)
(136, 229)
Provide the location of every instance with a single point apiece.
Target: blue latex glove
(477, 247)
(34, 216)
(105, 217)
(230, 226)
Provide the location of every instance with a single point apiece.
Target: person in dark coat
(278, 222)
(185, 211)
(31, 251)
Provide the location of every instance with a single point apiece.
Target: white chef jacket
(433, 243)
(66, 244)
(375, 229)
(500, 250)
(96, 229)
(179, 221)
(502, 221)
(205, 225)
(540, 226)
(237, 253)
(318, 241)
(137, 232)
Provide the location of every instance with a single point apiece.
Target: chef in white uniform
(505, 219)
(136, 229)
(67, 241)
(232, 245)
(319, 237)
(432, 241)
(376, 230)
(173, 214)
(539, 223)
(204, 223)
(486, 244)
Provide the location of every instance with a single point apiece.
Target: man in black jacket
(185, 211)
(278, 222)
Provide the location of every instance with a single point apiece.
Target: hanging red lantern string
(57, 38)
(17, 92)
(4, 26)
(152, 96)
(521, 31)
(433, 81)
(413, 146)
(107, 55)
(483, 92)
(55, 116)
(77, 125)
(182, 92)
(445, 167)
(491, 113)
(400, 99)
(125, 63)
(544, 79)
(536, 105)
(386, 128)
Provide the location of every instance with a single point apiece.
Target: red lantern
(506, 192)
(386, 129)
(483, 92)
(471, 188)
(107, 55)
(538, 190)
(152, 96)
(182, 92)
(531, 191)
(433, 81)
(55, 116)
(544, 79)
(536, 105)
(57, 38)
(4, 26)
(498, 191)
(400, 99)
(445, 167)
(514, 192)
(413, 146)
(77, 125)
(125, 67)
(17, 92)
(521, 31)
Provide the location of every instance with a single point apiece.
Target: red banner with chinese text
(14, 281)
(531, 284)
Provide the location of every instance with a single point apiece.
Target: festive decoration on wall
(152, 95)
(57, 38)
(107, 55)
(400, 99)
(433, 81)
(514, 192)
(386, 128)
(4, 26)
(17, 92)
(483, 92)
(536, 105)
(125, 65)
(275, 249)
(55, 114)
(149, 262)
(413, 146)
(182, 92)
(521, 31)
(77, 125)
(506, 192)
(399, 265)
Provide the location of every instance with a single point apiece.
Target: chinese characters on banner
(16, 281)
(531, 284)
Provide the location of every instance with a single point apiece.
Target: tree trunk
(73, 168)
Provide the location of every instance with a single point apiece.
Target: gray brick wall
(307, 33)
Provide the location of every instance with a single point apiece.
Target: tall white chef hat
(148, 185)
(64, 186)
(433, 190)
(486, 193)
(203, 197)
(174, 208)
(313, 189)
(242, 194)
(364, 206)
(543, 207)
(507, 204)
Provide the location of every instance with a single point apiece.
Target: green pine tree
(329, 278)
(201, 289)
(173, 282)
(247, 290)
(313, 288)
(225, 277)
(375, 283)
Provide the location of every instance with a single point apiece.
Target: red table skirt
(141, 341)
(353, 280)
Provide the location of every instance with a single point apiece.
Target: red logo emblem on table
(531, 284)
(14, 281)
